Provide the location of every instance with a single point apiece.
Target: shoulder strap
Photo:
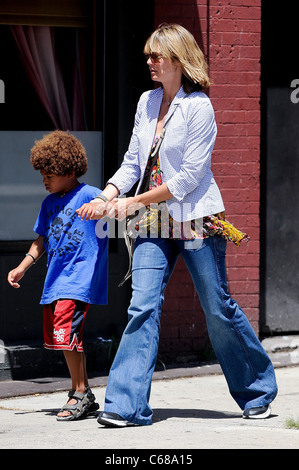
(128, 240)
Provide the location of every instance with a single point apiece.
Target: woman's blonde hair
(176, 43)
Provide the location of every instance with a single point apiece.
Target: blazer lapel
(153, 113)
(175, 103)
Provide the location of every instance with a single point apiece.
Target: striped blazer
(185, 153)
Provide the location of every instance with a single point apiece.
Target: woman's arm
(161, 193)
(126, 206)
(196, 161)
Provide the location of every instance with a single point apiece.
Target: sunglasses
(154, 56)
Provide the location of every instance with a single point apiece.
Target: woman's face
(162, 69)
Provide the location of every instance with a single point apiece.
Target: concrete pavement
(192, 410)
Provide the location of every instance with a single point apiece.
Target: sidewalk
(192, 410)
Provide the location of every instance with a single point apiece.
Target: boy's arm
(36, 251)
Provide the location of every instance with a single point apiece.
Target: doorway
(280, 170)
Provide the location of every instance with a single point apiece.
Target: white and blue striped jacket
(185, 153)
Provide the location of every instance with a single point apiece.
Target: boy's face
(57, 183)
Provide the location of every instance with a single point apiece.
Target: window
(52, 81)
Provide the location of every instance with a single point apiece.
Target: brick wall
(229, 34)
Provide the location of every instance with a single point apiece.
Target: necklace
(168, 102)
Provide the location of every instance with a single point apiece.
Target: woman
(181, 176)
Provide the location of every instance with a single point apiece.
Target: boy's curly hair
(59, 153)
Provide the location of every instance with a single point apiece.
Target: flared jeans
(246, 366)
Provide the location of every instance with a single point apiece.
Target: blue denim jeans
(247, 368)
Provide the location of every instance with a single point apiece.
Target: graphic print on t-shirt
(60, 228)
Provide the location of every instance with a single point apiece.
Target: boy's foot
(77, 405)
(113, 420)
(260, 412)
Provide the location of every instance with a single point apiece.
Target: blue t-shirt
(77, 258)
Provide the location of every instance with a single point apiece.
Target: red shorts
(63, 324)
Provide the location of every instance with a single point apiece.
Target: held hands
(94, 210)
(126, 206)
(118, 209)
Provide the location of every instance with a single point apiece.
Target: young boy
(77, 273)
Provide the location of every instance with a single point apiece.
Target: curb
(282, 350)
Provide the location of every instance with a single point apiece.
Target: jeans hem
(140, 422)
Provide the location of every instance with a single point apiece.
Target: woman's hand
(95, 210)
(129, 205)
(125, 206)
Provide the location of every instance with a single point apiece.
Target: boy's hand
(14, 277)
